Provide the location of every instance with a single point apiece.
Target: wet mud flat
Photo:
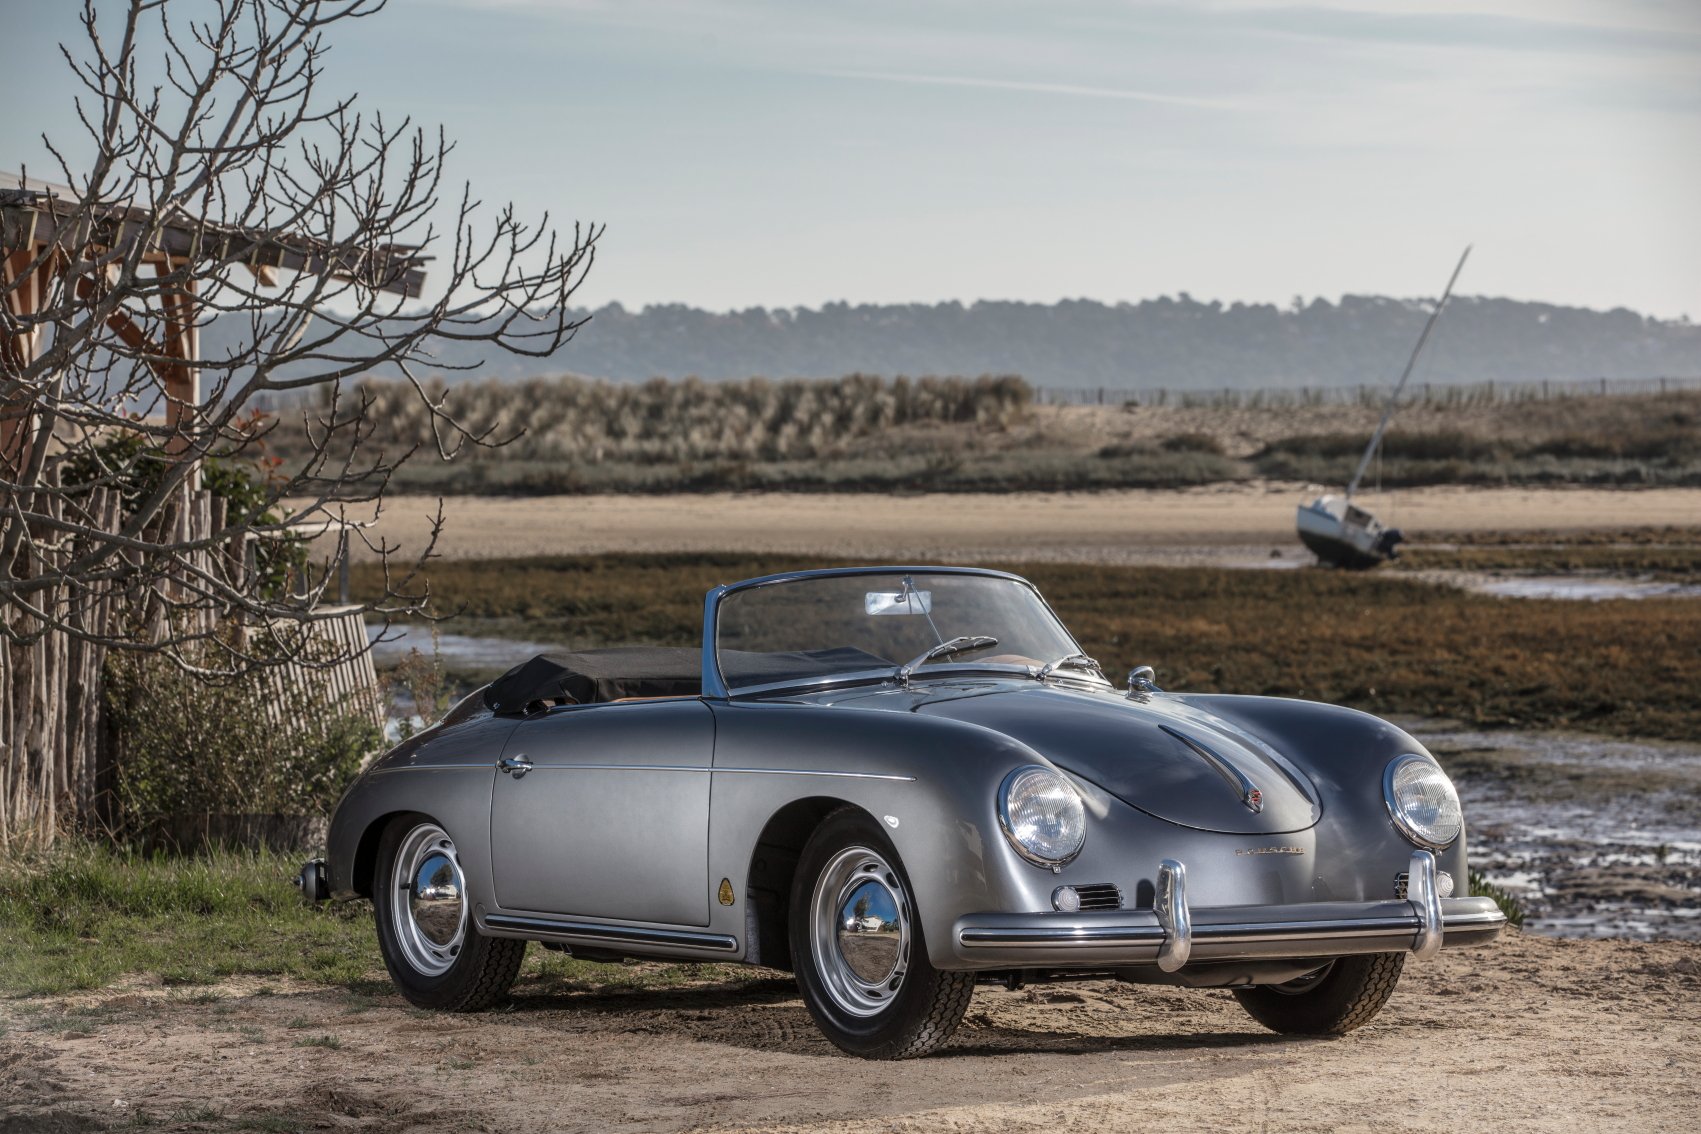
(1597, 837)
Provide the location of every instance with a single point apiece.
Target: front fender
(447, 774)
(930, 783)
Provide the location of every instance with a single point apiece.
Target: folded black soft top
(599, 675)
(655, 671)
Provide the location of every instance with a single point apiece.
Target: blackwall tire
(436, 956)
(858, 949)
(1347, 995)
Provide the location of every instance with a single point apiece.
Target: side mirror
(1143, 679)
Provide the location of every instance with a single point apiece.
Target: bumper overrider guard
(314, 882)
(1171, 934)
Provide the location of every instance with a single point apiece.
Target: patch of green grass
(81, 916)
(330, 1042)
(1481, 887)
(1375, 642)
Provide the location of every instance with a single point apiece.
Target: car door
(611, 819)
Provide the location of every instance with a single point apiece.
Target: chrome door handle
(516, 765)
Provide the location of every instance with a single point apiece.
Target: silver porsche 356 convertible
(898, 783)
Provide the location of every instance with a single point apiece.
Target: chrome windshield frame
(714, 684)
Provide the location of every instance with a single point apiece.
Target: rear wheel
(1345, 994)
(436, 956)
(858, 949)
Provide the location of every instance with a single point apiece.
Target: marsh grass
(863, 433)
(1670, 554)
(1384, 644)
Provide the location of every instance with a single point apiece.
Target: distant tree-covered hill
(1176, 343)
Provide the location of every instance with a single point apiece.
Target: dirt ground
(1533, 1034)
(1218, 524)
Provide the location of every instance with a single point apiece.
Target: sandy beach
(1217, 524)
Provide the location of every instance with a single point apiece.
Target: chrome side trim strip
(1426, 900)
(700, 768)
(809, 772)
(1173, 914)
(1236, 779)
(620, 768)
(628, 934)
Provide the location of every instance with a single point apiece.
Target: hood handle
(1236, 779)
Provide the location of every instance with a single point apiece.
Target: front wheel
(1342, 995)
(858, 949)
(436, 956)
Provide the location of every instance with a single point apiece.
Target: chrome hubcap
(860, 916)
(428, 900)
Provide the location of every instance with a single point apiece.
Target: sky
(794, 152)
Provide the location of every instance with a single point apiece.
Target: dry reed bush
(1379, 643)
(864, 434)
(757, 419)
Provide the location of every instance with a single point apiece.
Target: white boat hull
(1341, 534)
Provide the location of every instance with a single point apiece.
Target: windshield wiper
(1071, 661)
(956, 645)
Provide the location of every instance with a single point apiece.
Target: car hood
(1163, 757)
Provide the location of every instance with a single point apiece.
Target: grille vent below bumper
(1443, 884)
(1100, 896)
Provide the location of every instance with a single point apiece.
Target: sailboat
(1338, 531)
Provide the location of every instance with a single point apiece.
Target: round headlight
(1042, 815)
(1422, 801)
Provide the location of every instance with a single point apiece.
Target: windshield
(836, 625)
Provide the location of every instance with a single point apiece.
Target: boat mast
(1393, 399)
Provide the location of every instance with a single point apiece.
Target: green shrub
(198, 762)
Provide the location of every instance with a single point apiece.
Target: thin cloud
(1071, 89)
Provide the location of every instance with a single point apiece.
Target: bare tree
(222, 189)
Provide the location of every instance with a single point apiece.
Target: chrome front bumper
(1171, 934)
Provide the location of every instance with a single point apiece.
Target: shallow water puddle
(458, 652)
(1576, 587)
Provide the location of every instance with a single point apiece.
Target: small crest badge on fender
(725, 892)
